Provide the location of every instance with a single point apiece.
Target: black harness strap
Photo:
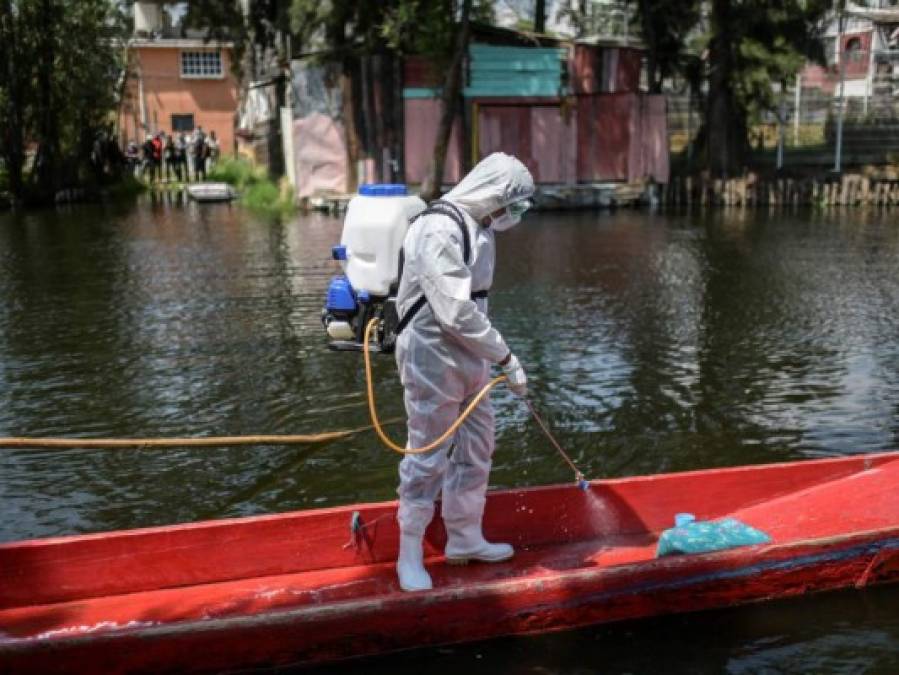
(408, 316)
(438, 207)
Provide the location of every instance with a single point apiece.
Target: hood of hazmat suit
(497, 181)
(446, 351)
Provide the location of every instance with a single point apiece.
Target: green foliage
(347, 27)
(263, 198)
(127, 188)
(61, 68)
(748, 47)
(770, 43)
(257, 31)
(237, 171)
(666, 27)
(257, 191)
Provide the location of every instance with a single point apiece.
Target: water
(652, 342)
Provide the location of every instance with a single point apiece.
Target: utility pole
(841, 55)
(796, 108)
(781, 119)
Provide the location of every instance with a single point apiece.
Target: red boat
(317, 586)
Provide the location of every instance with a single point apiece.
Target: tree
(539, 16)
(452, 86)
(12, 83)
(665, 26)
(750, 45)
(59, 99)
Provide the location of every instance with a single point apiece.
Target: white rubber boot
(466, 543)
(413, 517)
(410, 566)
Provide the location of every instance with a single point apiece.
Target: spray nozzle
(582, 482)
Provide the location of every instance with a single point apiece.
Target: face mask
(511, 216)
(518, 209)
(503, 222)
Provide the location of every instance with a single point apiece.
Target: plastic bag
(690, 536)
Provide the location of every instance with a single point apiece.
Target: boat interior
(123, 580)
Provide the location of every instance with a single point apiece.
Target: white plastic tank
(373, 231)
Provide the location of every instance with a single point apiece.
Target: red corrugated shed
(421, 118)
(603, 69)
(622, 137)
(586, 67)
(630, 65)
(605, 127)
(542, 135)
(419, 72)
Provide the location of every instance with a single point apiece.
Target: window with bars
(201, 64)
(182, 123)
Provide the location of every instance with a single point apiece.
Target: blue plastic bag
(690, 536)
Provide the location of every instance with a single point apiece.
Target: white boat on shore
(211, 192)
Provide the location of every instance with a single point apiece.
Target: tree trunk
(540, 16)
(433, 181)
(349, 123)
(652, 47)
(725, 119)
(398, 122)
(48, 148)
(12, 142)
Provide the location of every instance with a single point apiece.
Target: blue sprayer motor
(369, 252)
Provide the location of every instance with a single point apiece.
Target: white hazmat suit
(444, 357)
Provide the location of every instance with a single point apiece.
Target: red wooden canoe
(305, 587)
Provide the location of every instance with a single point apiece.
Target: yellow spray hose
(374, 414)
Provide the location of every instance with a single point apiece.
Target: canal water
(653, 343)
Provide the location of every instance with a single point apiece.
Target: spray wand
(582, 482)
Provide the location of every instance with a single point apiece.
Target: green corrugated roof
(514, 71)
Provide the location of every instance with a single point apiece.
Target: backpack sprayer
(360, 307)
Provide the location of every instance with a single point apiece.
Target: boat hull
(327, 613)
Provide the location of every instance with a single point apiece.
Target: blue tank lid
(383, 190)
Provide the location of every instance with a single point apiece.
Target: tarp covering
(315, 89)
(257, 107)
(319, 139)
(320, 155)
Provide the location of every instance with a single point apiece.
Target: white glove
(518, 381)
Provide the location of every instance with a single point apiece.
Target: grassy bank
(257, 191)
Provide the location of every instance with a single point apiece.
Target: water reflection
(653, 343)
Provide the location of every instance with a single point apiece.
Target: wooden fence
(753, 190)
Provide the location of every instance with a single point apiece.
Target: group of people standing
(181, 157)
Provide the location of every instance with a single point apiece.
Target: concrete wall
(156, 90)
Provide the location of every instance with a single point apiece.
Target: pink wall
(617, 137)
(543, 137)
(421, 120)
(622, 137)
(213, 102)
(652, 141)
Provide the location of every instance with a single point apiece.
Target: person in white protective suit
(444, 353)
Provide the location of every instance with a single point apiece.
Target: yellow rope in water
(374, 415)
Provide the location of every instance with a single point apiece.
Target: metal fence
(813, 125)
